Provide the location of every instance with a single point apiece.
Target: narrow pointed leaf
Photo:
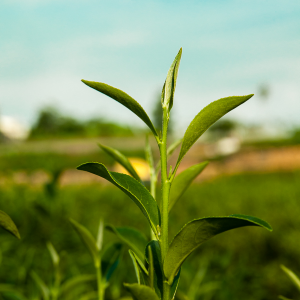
(87, 239)
(157, 266)
(72, 283)
(140, 270)
(173, 147)
(121, 159)
(41, 285)
(196, 232)
(131, 187)
(141, 292)
(183, 180)
(170, 84)
(110, 260)
(124, 99)
(54, 255)
(99, 242)
(205, 118)
(292, 276)
(149, 157)
(134, 239)
(7, 223)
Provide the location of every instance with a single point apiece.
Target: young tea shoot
(158, 262)
(106, 259)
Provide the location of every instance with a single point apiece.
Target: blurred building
(12, 129)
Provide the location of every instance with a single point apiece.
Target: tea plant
(158, 263)
(105, 260)
(72, 288)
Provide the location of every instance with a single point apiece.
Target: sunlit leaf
(170, 83)
(140, 270)
(87, 239)
(134, 239)
(121, 159)
(295, 279)
(124, 99)
(54, 255)
(205, 118)
(110, 259)
(7, 223)
(131, 187)
(196, 232)
(141, 292)
(183, 180)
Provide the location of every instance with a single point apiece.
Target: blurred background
(50, 122)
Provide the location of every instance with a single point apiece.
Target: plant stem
(165, 183)
(99, 280)
(153, 182)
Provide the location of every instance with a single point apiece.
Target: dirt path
(266, 160)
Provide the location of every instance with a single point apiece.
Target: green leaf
(141, 292)
(131, 187)
(170, 83)
(72, 283)
(149, 157)
(54, 256)
(140, 270)
(7, 223)
(110, 260)
(99, 242)
(205, 118)
(173, 147)
(121, 159)
(87, 239)
(132, 237)
(124, 99)
(42, 286)
(183, 181)
(157, 266)
(292, 276)
(196, 232)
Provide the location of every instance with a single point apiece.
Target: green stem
(153, 182)
(165, 183)
(99, 280)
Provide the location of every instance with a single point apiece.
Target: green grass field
(244, 265)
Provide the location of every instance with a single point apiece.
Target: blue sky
(229, 48)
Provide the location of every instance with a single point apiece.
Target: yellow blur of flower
(140, 165)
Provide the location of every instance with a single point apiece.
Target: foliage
(160, 268)
(51, 123)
